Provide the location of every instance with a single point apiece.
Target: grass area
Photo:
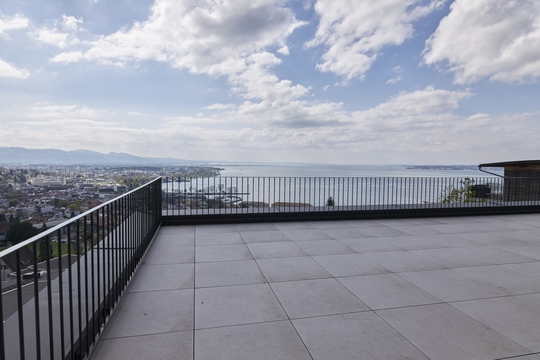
(64, 249)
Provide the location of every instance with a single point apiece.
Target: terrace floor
(426, 288)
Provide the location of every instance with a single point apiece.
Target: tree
(2, 218)
(462, 194)
(21, 231)
(44, 250)
(330, 201)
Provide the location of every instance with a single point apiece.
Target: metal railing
(255, 198)
(66, 281)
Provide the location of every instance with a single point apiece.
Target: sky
(316, 81)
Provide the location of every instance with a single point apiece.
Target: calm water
(314, 184)
(316, 170)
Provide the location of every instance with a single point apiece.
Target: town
(46, 195)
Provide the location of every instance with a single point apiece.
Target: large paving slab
(428, 288)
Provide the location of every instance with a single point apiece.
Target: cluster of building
(52, 195)
(49, 194)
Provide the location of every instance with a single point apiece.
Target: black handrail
(62, 317)
(229, 199)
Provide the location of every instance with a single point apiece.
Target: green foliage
(330, 201)
(42, 250)
(462, 194)
(76, 206)
(57, 203)
(20, 231)
(2, 218)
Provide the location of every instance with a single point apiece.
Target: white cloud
(354, 32)
(12, 23)
(212, 37)
(284, 50)
(45, 111)
(220, 38)
(134, 113)
(8, 70)
(219, 106)
(63, 34)
(52, 37)
(71, 23)
(499, 39)
(68, 57)
(8, 23)
(394, 80)
(418, 126)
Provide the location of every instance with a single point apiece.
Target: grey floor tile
(455, 240)
(161, 255)
(174, 240)
(526, 357)
(345, 337)
(451, 258)
(293, 225)
(210, 238)
(409, 221)
(415, 230)
(215, 228)
(531, 223)
(227, 273)
(167, 346)
(515, 317)
(490, 238)
(287, 269)
(349, 265)
(255, 227)
(498, 226)
(363, 223)
(345, 233)
(309, 298)
(368, 245)
(442, 332)
(466, 219)
(448, 285)
(328, 224)
(396, 222)
(235, 305)
(275, 340)
(511, 281)
(163, 277)
(273, 250)
(401, 261)
(143, 313)
(531, 268)
(208, 253)
(457, 228)
(324, 247)
(263, 236)
(180, 229)
(416, 242)
(384, 231)
(528, 236)
(306, 234)
(387, 291)
(532, 251)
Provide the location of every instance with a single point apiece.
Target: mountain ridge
(21, 155)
